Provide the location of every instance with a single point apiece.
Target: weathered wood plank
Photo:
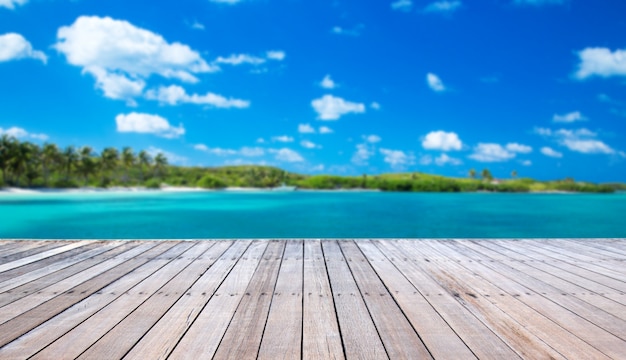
(358, 332)
(203, 337)
(320, 333)
(161, 339)
(31, 258)
(282, 337)
(27, 249)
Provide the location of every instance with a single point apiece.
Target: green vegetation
(24, 164)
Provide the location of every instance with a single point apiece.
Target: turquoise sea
(215, 215)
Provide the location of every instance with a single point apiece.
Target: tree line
(23, 163)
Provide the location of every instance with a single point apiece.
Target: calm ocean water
(311, 215)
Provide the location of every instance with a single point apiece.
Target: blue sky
(340, 86)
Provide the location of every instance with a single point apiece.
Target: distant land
(28, 165)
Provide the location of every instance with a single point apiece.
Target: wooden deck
(366, 299)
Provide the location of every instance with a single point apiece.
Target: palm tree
(472, 173)
(514, 173)
(20, 157)
(128, 160)
(87, 163)
(32, 163)
(7, 148)
(108, 161)
(144, 159)
(160, 162)
(50, 156)
(70, 157)
(486, 174)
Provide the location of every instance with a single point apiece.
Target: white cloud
(15, 47)
(443, 6)
(201, 147)
(326, 130)
(580, 140)
(227, 2)
(306, 129)
(310, 145)
(526, 162)
(328, 83)
(19, 133)
(175, 95)
(260, 141)
(251, 151)
(548, 151)
(287, 155)
(435, 83)
(374, 105)
(397, 158)
(171, 157)
(569, 117)
(148, 124)
(238, 59)
(489, 152)
(197, 26)
(441, 140)
(539, 2)
(402, 5)
(372, 139)
(244, 151)
(426, 160)
(329, 107)
(362, 154)
(519, 148)
(444, 159)
(282, 138)
(10, 4)
(278, 55)
(601, 62)
(121, 55)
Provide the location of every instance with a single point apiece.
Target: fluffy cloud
(443, 7)
(121, 56)
(362, 154)
(374, 105)
(519, 148)
(240, 59)
(441, 140)
(548, 151)
(175, 95)
(227, 2)
(444, 159)
(569, 117)
(397, 158)
(10, 4)
(148, 124)
(329, 107)
(580, 140)
(326, 130)
(328, 83)
(287, 155)
(18, 132)
(601, 62)
(372, 139)
(14, 47)
(489, 152)
(197, 26)
(282, 138)
(435, 83)
(309, 144)
(244, 151)
(356, 31)
(278, 55)
(306, 129)
(402, 5)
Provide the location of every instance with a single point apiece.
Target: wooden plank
(396, 332)
(530, 333)
(563, 280)
(42, 255)
(440, 339)
(32, 318)
(594, 247)
(582, 328)
(84, 336)
(541, 286)
(320, 332)
(478, 337)
(203, 337)
(43, 282)
(117, 342)
(282, 337)
(161, 339)
(358, 332)
(29, 249)
(243, 336)
(52, 264)
(32, 342)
